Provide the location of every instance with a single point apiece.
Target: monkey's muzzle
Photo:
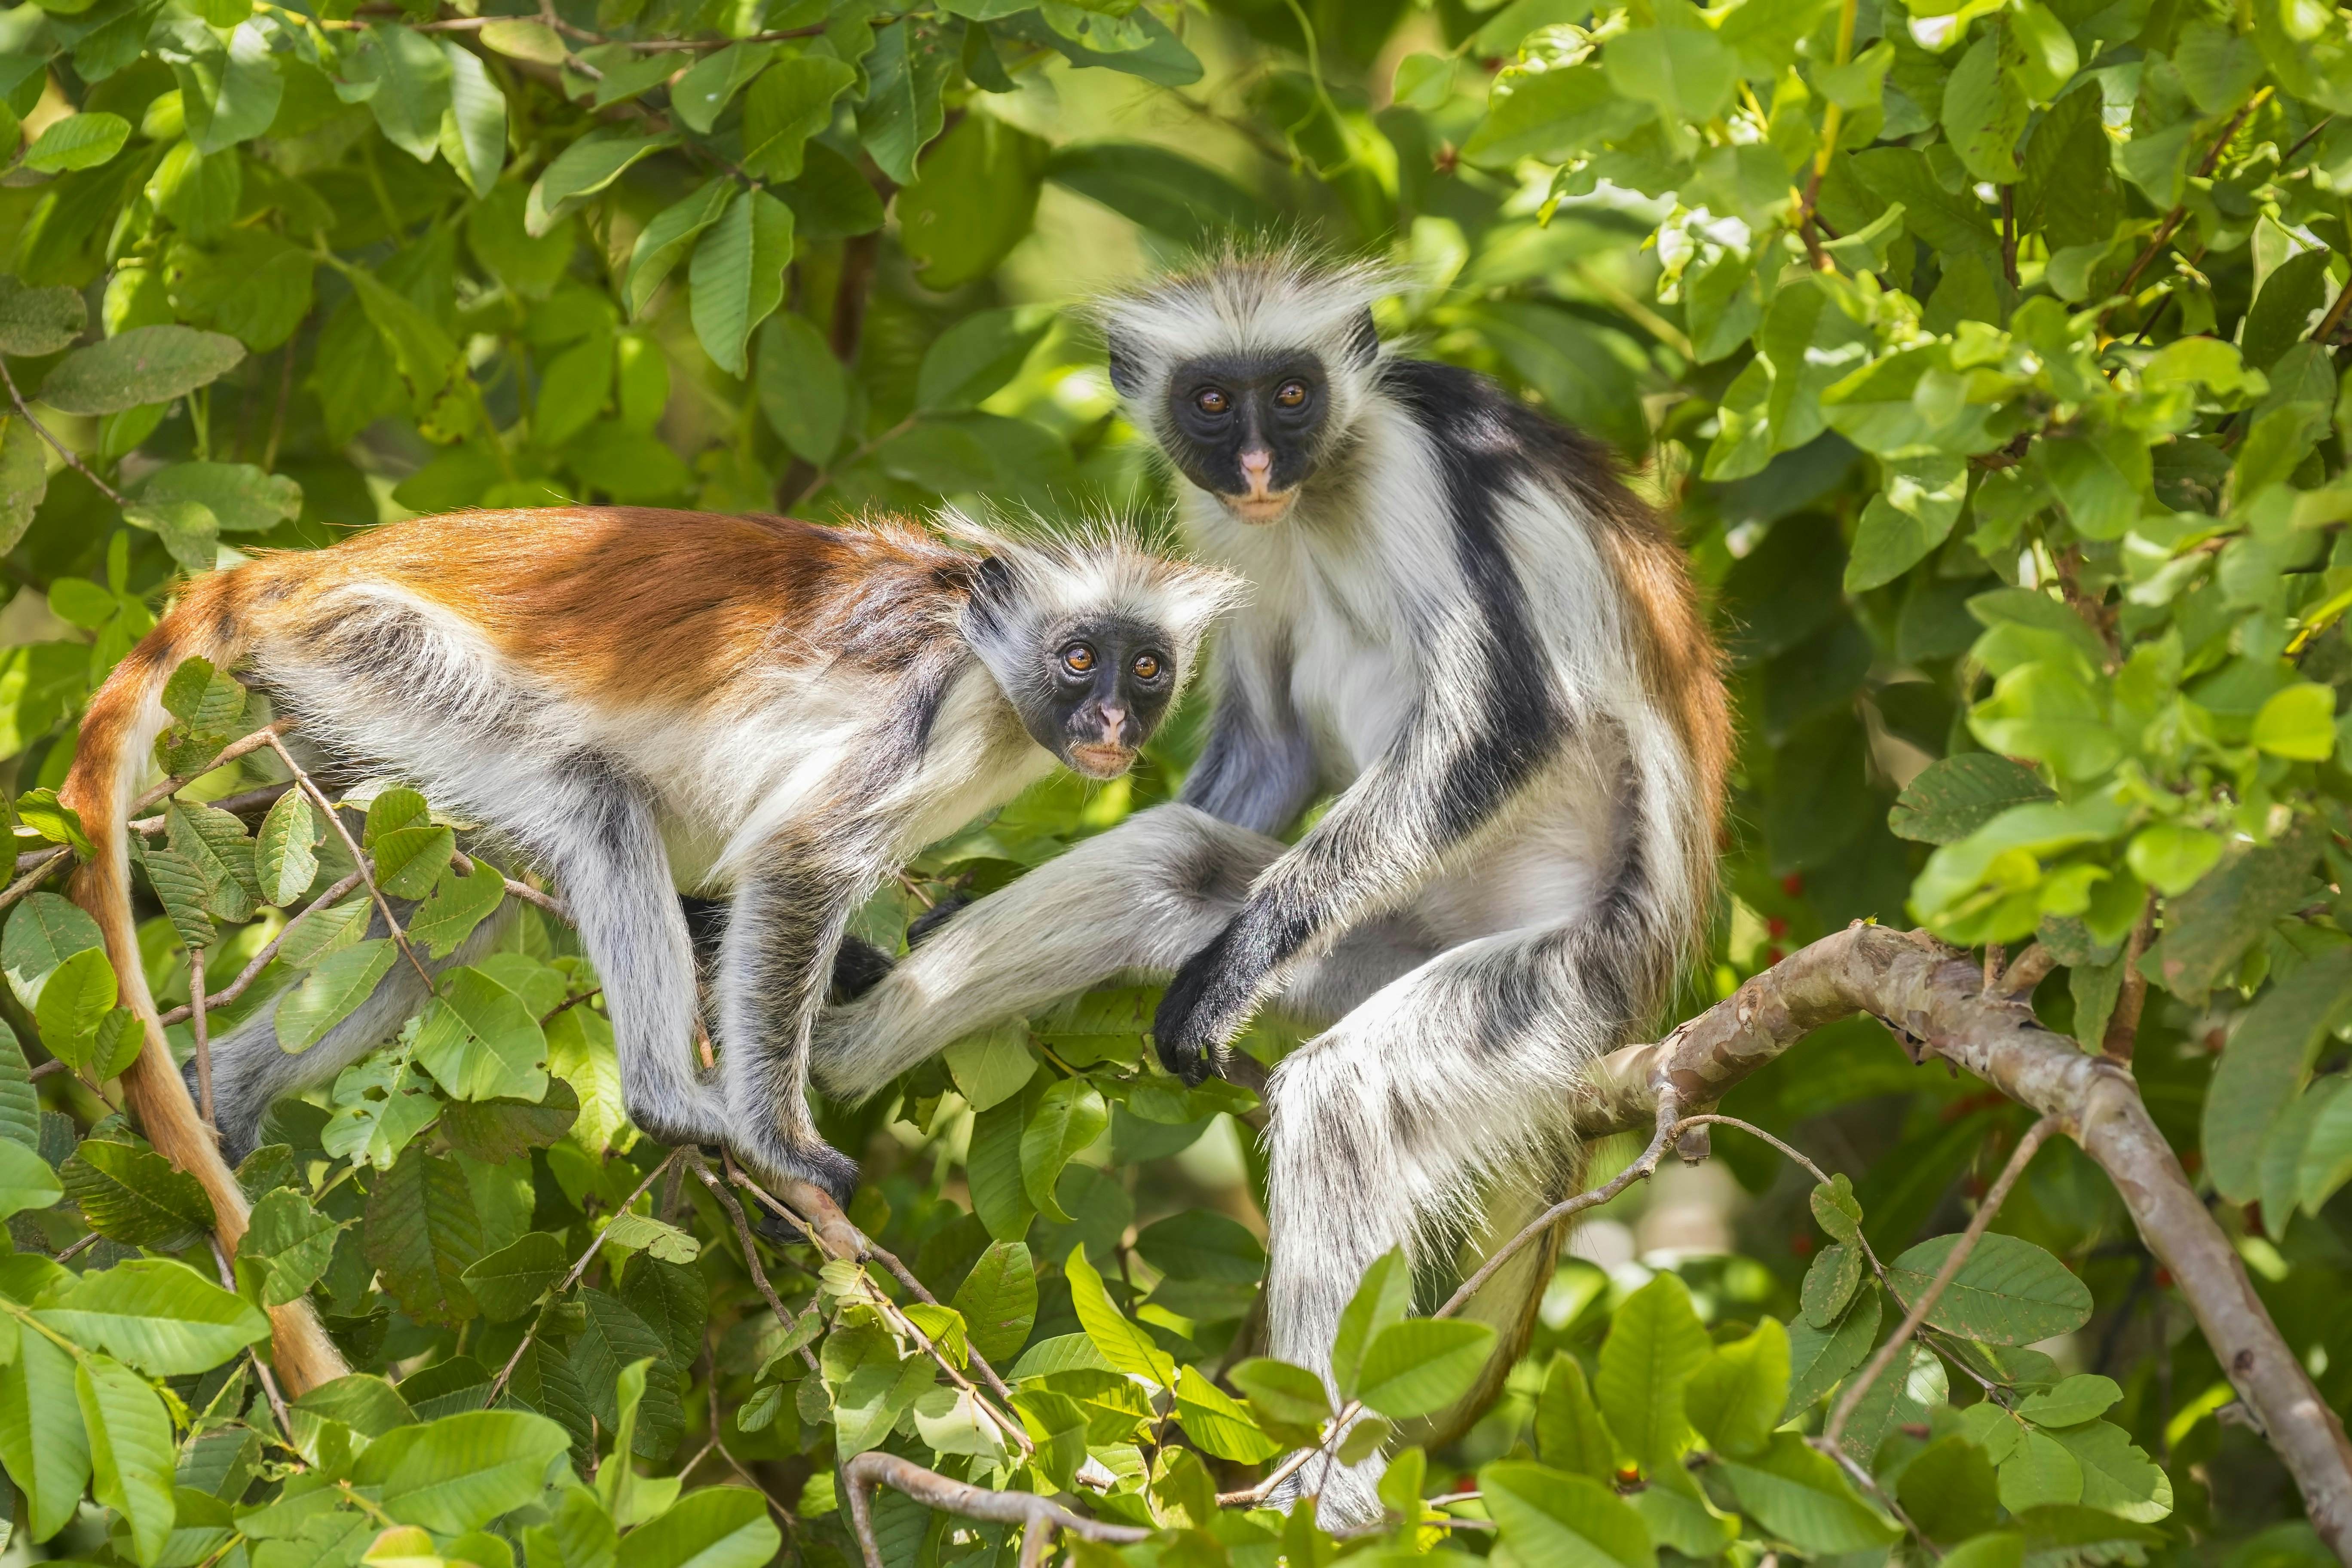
(1100, 760)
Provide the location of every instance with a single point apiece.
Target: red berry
(1793, 884)
(1776, 927)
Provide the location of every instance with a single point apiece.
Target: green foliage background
(1984, 352)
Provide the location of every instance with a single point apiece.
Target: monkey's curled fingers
(1206, 1005)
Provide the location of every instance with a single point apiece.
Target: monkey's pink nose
(1114, 724)
(1257, 467)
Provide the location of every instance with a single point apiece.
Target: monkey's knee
(858, 966)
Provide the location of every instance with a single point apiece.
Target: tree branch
(1040, 1515)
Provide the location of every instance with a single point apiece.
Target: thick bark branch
(1933, 997)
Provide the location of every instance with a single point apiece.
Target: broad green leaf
(428, 361)
(2117, 1477)
(20, 1103)
(133, 1195)
(703, 93)
(42, 1439)
(1069, 1117)
(991, 1068)
(2080, 1398)
(78, 141)
(412, 82)
(998, 1197)
(1950, 1490)
(76, 997)
(1831, 1282)
(581, 170)
(998, 1299)
(1287, 1394)
(1551, 1519)
(421, 1234)
(409, 861)
(976, 357)
(2039, 1471)
(1819, 1359)
(713, 1527)
(973, 199)
(23, 477)
(662, 243)
(2171, 857)
(910, 63)
(1736, 1396)
(498, 1130)
(230, 94)
(145, 365)
(738, 276)
(1686, 73)
(2009, 1292)
(160, 1316)
(38, 321)
(289, 1246)
(241, 497)
(130, 1449)
(1200, 1244)
(873, 1384)
(480, 1041)
(283, 856)
(462, 1472)
(1218, 1425)
(1126, 1347)
(1568, 1431)
(1799, 1494)
(1420, 1366)
(25, 1180)
(1952, 798)
(457, 905)
(1656, 1341)
(42, 933)
(790, 102)
(1382, 1299)
(473, 135)
(333, 992)
(2297, 722)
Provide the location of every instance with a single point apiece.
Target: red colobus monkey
(796, 708)
(1463, 623)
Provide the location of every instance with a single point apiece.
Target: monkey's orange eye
(1146, 667)
(1077, 659)
(1291, 393)
(1210, 400)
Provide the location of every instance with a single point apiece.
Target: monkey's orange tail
(117, 735)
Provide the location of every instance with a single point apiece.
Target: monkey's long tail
(117, 735)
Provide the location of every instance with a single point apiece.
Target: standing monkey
(798, 707)
(1463, 623)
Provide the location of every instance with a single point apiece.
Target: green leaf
(458, 905)
(1069, 1117)
(42, 1438)
(702, 94)
(1200, 1244)
(1819, 1359)
(23, 477)
(2297, 722)
(145, 365)
(1550, 1518)
(1420, 1366)
(509, 1282)
(976, 357)
(25, 1180)
(2117, 1477)
(998, 1299)
(1568, 1431)
(1382, 1299)
(991, 1068)
(1656, 1341)
(738, 276)
(1954, 797)
(715, 1527)
(1736, 1396)
(130, 1449)
(998, 1197)
(1950, 1490)
(134, 1196)
(160, 1316)
(422, 1235)
(1985, 108)
(1799, 1494)
(662, 243)
(2009, 1292)
(2077, 1399)
(38, 321)
(1686, 73)
(283, 858)
(44, 931)
(910, 65)
(241, 497)
(1217, 1424)
(581, 170)
(2039, 1471)
(2172, 856)
(287, 1247)
(473, 135)
(1831, 1282)
(412, 81)
(78, 141)
(480, 1041)
(1290, 1394)
(1126, 1346)
(230, 95)
(1901, 527)
(791, 102)
(78, 996)
(332, 993)
(497, 1130)
(973, 199)
(462, 1472)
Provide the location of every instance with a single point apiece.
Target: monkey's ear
(1363, 341)
(1125, 375)
(995, 577)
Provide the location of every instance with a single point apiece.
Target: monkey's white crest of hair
(1248, 301)
(1099, 565)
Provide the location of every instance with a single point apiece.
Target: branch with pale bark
(1936, 1001)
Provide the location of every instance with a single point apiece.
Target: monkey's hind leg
(1389, 1130)
(1140, 899)
(251, 1069)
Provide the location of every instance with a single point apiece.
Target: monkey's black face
(1107, 686)
(1245, 429)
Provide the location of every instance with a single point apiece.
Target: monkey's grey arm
(1258, 770)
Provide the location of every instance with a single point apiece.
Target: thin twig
(905, 1276)
(359, 859)
(523, 890)
(108, 491)
(260, 961)
(2122, 1028)
(2205, 166)
(265, 736)
(1998, 1193)
(2027, 971)
(695, 1163)
(499, 1385)
(56, 860)
(1028, 1510)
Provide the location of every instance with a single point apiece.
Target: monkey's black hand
(1205, 1006)
(858, 966)
(921, 929)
